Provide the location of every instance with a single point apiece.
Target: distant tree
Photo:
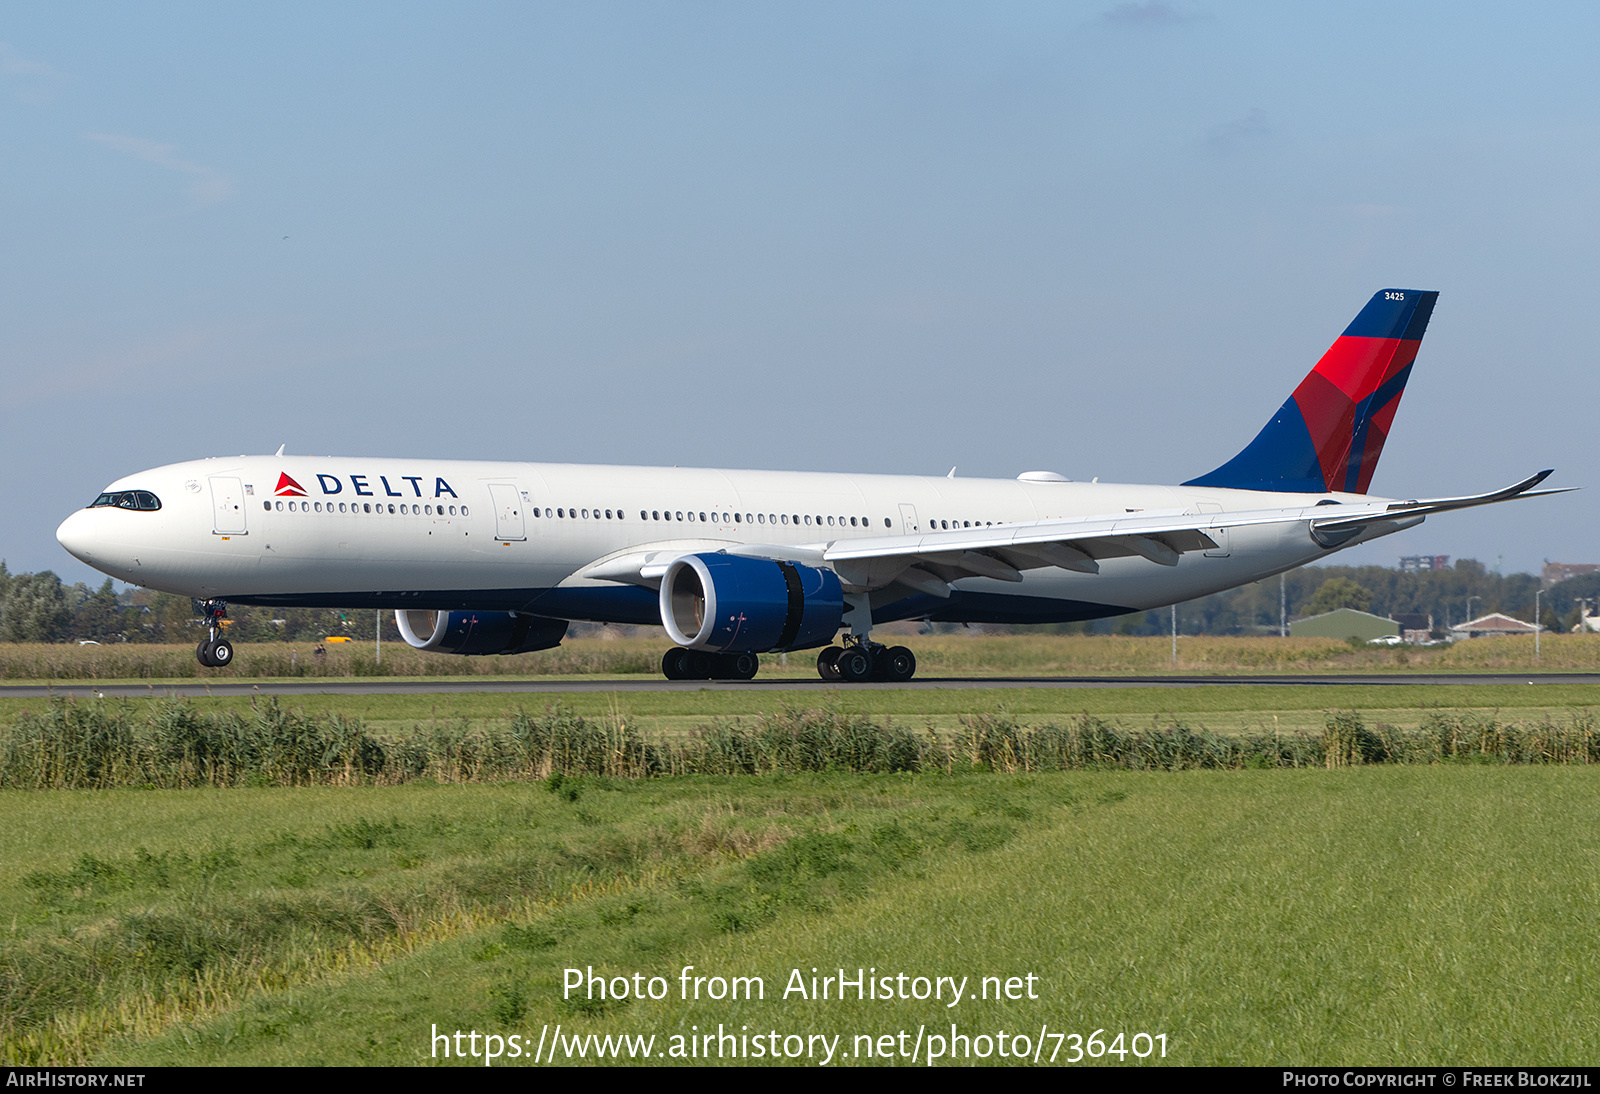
(1339, 592)
(36, 609)
(98, 615)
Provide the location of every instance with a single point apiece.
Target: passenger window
(463, 510)
(267, 505)
(341, 507)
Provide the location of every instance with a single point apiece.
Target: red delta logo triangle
(288, 488)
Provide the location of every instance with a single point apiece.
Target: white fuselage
(520, 536)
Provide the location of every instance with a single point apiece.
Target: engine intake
(479, 632)
(731, 604)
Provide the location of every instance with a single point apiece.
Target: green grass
(1423, 913)
(1374, 915)
(1225, 709)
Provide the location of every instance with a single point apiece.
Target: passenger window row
(563, 513)
(762, 518)
(143, 499)
(368, 507)
(713, 517)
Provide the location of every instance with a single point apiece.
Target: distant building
(1490, 626)
(1556, 572)
(1410, 564)
(1415, 627)
(1344, 623)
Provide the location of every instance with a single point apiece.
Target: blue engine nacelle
(479, 632)
(731, 604)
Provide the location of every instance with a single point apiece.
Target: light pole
(1537, 629)
(1470, 599)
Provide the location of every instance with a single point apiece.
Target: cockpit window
(127, 499)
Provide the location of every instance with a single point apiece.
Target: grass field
(937, 655)
(1286, 708)
(1376, 913)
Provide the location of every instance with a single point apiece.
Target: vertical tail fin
(1330, 432)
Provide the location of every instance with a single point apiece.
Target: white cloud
(35, 81)
(209, 185)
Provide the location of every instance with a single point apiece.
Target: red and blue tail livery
(1329, 434)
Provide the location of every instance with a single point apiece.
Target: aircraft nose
(76, 534)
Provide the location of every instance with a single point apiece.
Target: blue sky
(1104, 239)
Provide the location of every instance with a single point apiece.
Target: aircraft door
(908, 518)
(509, 523)
(227, 501)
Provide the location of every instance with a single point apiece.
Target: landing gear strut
(860, 660)
(683, 664)
(214, 651)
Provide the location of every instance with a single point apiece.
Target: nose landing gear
(214, 651)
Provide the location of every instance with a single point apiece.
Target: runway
(490, 684)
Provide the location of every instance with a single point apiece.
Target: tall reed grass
(72, 745)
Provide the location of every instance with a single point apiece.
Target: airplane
(483, 558)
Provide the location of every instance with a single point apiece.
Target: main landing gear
(214, 651)
(681, 664)
(860, 660)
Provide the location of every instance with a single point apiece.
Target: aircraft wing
(1397, 509)
(929, 562)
